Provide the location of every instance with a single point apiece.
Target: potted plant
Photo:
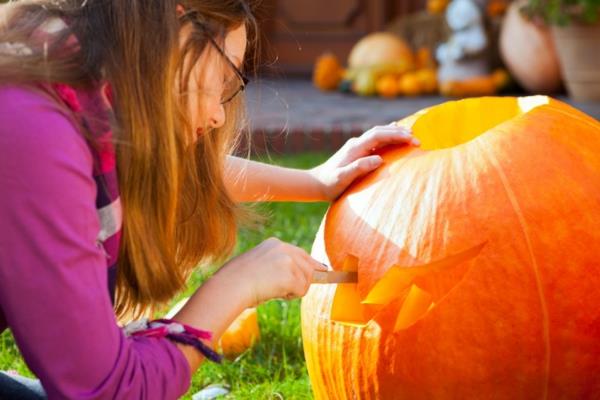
(576, 30)
(527, 49)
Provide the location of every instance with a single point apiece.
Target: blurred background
(330, 70)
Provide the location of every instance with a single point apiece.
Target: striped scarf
(92, 109)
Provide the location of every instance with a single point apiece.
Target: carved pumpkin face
(478, 258)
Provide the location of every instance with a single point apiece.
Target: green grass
(275, 367)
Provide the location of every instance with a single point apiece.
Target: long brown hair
(177, 211)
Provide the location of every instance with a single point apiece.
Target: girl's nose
(217, 117)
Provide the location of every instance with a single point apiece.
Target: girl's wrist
(317, 185)
(231, 276)
(214, 305)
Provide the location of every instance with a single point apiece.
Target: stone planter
(578, 48)
(528, 50)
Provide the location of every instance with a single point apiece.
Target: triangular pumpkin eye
(399, 278)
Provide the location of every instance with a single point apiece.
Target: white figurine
(465, 55)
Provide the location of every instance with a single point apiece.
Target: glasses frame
(244, 80)
(192, 17)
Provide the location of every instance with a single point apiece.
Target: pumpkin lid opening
(457, 122)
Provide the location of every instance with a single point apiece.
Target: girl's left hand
(356, 158)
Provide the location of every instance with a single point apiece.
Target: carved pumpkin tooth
(347, 307)
(417, 303)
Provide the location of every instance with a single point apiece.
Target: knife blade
(325, 277)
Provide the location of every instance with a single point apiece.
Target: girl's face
(214, 80)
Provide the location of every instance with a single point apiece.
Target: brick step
(291, 116)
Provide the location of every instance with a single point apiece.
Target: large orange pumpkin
(478, 258)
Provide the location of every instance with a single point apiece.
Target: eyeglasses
(232, 87)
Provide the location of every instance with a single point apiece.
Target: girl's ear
(180, 10)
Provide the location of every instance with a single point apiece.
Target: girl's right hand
(272, 270)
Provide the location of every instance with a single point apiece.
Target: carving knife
(325, 277)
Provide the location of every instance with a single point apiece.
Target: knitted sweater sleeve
(53, 276)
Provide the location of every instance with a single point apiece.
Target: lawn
(274, 368)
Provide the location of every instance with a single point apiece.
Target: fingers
(305, 266)
(381, 136)
(295, 265)
(312, 263)
(301, 280)
(359, 167)
(391, 134)
(308, 265)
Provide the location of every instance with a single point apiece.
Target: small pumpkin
(328, 72)
(477, 261)
(365, 82)
(437, 6)
(478, 86)
(238, 337)
(497, 8)
(387, 86)
(410, 85)
(241, 334)
(381, 48)
(501, 78)
(424, 58)
(427, 78)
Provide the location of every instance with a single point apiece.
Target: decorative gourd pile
(382, 64)
(477, 259)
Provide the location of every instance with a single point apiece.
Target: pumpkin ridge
(524, 227)
(582, 118)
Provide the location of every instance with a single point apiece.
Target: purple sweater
(53, 277)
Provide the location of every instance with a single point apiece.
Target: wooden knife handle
(325, 277)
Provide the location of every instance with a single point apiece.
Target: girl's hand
(356, 158)
(272, 270)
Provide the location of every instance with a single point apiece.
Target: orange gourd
(241, 335)
(437, 6)
(477, 257)
(328, 72)
(496, 8)
(410, 85)
(387, 86)
(427, 78)
(486, 85)
(424, 59)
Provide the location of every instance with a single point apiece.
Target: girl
(116, 121)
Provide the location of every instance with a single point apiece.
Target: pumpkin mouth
(411, 291)
(457, 122)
